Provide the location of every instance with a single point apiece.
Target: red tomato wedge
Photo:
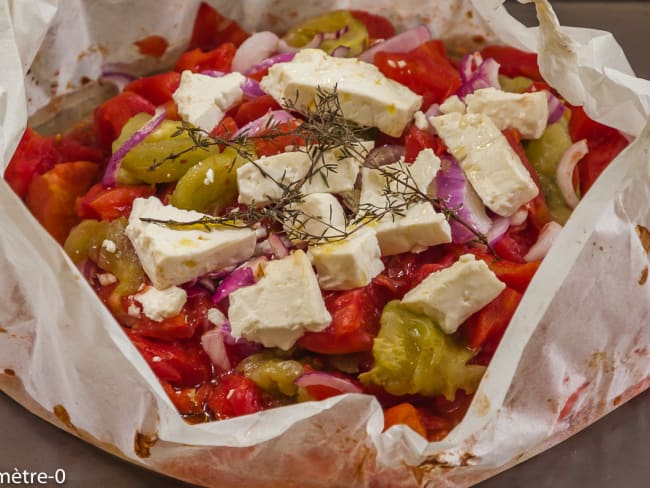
(110, 203)
(514, 62)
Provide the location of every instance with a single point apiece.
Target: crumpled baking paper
(577, 347)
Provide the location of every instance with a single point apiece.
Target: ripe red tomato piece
(226, 128)
(416, 140)
(51, 196)
(355, 321)
(34, 156)
(491, 321)
(110, 203)
(158, 89)
(254, 109)
(111, 116)
(404, 414)
(284, 136)
(182, 363)
(180, 326)
(212, 29)
(235, 395)
(189, 401)
(514, 62)
(378, 26)
(426, 70)
(219, 59)
(605, 143)
(513, 274)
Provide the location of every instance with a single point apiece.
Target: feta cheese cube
(203, 100)
(216, 316)
(109, 246)
(450, 296)
(319, 215)
(349, 263)
(278, 309)
(420, 228)
(171, 257)
(106, 279)
(367, 97)
(490, 164)
(526, 112)
(335, 173)
(161, 304)
(420, 120)
(453, 104)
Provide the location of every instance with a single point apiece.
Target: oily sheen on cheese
(366, 96)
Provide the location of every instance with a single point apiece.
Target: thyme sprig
(323, 128)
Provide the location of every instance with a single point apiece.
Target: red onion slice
(117, 74)
(477, 73)
(555, 109)
(565, 168)
(237, 279)
(255, 49)
(251, 89)
(432, 111)
(110, 176)
(268, 62)
(319, 378)
(499, 227)
(269, 119)
(544, 242)
(519, 217)
(213, 344)
(454, 189)
(340, 51)
(401, 43)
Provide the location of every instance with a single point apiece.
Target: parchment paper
(576, 348)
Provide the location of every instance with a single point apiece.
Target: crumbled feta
(401, 63)
(161, 304)
(421, 121)
(257, 181)
(318, 215)
(453, 104)
(171, 257)
(367, 97)
(526, 112)
(203, 100)
(450, 296)
(216, 316)
(490, 164)
(278, 309)
(209, 177)
(133, 311)
(109, 246)
(349, 263)
(106, 279)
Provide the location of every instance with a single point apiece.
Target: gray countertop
(611, 452)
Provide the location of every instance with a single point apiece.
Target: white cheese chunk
(420, 228)
(161, 304)
(318, 215)
(453, 104)
(334, 174)
(203, 100)
(490, 164)
(420, 120)
(216, 316)
(450, 296)
(367, 97)
(349, 263)
(171, 257)
(109, 246)
(278, 309)
(106, 279)
(526, 112)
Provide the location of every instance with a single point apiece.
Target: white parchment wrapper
(577, 347)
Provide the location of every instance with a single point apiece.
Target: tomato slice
(51, 196)
(182, 363)
(283, 137)
(491, 321)
(196, 60)
(426, 70)
(34, 156)
(111, 116)
(605, 143)
(378, 26)
(514, 62)
(254, 109)
(355, 322)
(158, 89)
(212, 29)
(235, 395)
(110, 203)
(189, 401)
(515, 275)
(406, 414)
(416, 140)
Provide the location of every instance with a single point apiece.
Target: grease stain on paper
(644, 237)
(63, 415)
(9, 372)
(142, 444)
(644, 276)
